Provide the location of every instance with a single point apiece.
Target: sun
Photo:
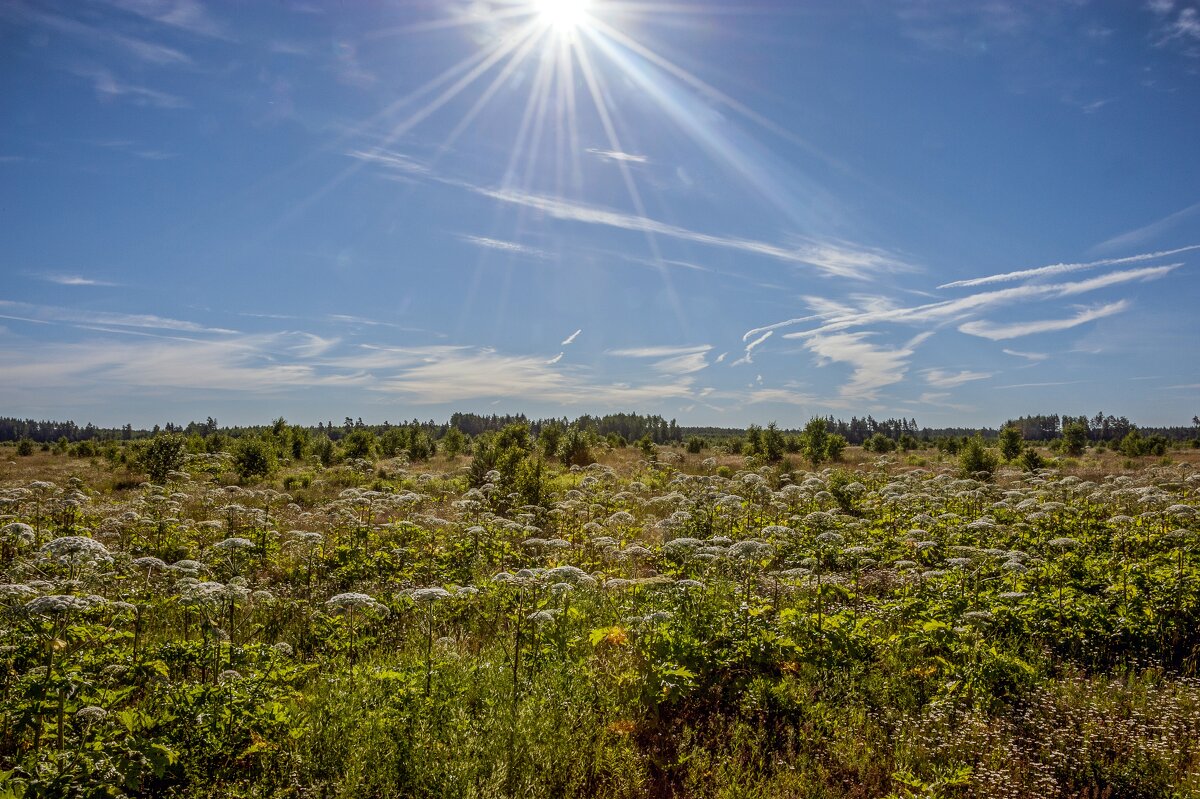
(562, 16)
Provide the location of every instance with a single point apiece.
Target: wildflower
(17, 533)
(16, 591)
(751, 550)
(566, 574)
(150, 564)
(231, 545)
(427, 596)
(77, 550)
(56, 605)
(541, 617)
(90, 714)
(353, 601)
(681, 548)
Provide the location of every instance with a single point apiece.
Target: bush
(695, 444)
(1031, 460)
(976, 460)
(25, 447)
(161, 455)
(879, 443)
(359, 445)
(252, 457)
(835, 446)
(573, 448)
(1010, 442)
(1074, 438)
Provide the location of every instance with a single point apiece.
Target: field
(658, 624)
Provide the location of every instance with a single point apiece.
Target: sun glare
(563, 16)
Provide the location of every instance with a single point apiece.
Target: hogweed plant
(650, 629)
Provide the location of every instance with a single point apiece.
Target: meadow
(656, 624)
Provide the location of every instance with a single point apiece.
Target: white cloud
(944, 379)
(791, 395)
(571, 338)
(682, 364)
(674, 360)
(511, 247)
(1041, 385)
(659, 351)
(108, 86)
(747, 358)
(75, 280)
(999, 332)
(255, 365)
(1059, 269)
(390, 159)
(49, 313)
(555, 359)
(1157, 228)
(1187, 24)
(834, 258)
(872, 366)
(613, 155)
(485, 374)
(188, 15)
(957, 309)
(1029, 356)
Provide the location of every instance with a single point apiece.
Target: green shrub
(252, 457)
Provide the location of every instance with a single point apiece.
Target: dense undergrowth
(884, 631)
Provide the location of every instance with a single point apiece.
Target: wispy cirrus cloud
(569, 340)
(671, 360)
(73, 280)
(486, 374)
(790, 394)
(95, 36)
(54, 314)
(187, 15)
(108, 86)
(510, 247)
(1154, 229)
(392, 160)
(943, 379)
(1045, 384)
(1185, 26)
(749, 353)
(956, 309)
(1065, 268)
(1035, 357)
(872, 366)
(837, 258)
(1001, 332)
(256, 365)
(613, 155)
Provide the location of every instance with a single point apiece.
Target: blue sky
(724, 213)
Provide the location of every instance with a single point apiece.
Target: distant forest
(629, 426)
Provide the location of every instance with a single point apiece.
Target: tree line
(617, 427)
